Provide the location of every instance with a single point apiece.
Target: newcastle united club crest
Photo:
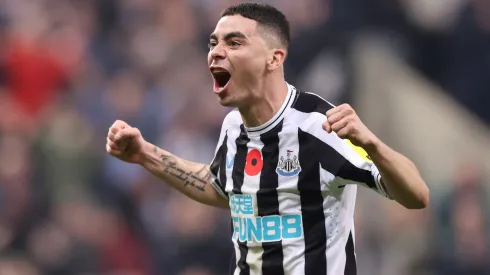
(289, 166)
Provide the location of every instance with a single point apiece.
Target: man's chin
(227, 101)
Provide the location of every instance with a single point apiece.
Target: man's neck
(264, 108)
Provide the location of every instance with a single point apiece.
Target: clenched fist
(344, 121)
(125, 142)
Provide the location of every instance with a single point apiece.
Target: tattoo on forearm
(197, 180)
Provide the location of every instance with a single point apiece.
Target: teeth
(219, 70)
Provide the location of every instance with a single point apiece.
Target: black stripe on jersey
(349, 171)
(219, 165)
(222, 167)
(350, 257)
(268, 201)
(233, 255)
(242, 262)
(240, 160)
(315, 233)
(237, 177)
(309, 103)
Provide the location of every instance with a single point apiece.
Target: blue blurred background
(417, 71)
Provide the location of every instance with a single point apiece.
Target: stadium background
(417, 71)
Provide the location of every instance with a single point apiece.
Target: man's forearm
(400, 176)
(192, 179)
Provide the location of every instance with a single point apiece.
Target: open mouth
(221, 78)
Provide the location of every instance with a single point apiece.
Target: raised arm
(192, 179)
(399, 175)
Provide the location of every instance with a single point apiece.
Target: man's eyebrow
(235, 35)
(228, 36)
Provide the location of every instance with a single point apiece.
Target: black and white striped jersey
(292, 190)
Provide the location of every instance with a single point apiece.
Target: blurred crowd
(69, 68)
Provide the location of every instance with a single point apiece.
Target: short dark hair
(266, 16)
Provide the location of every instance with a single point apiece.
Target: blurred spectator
(461, 229)
(17, 266)
(467, 72)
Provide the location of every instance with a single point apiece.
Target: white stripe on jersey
(215, 178)
(290, 203)
(337, 262)
(255, 250)
(232, 133)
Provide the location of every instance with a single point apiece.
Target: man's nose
(218, 52)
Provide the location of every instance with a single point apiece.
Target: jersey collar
(269, 125)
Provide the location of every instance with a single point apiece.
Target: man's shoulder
(232, 119)
(311, 103)
(308, 114)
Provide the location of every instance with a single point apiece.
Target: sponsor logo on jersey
(230, 161)
(247, 226)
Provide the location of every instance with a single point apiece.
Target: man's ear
(276, 60)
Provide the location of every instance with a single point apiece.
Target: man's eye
(235, 44)
(211, 45)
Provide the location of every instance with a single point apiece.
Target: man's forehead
(235, 23)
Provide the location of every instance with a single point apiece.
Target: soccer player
(287, 163)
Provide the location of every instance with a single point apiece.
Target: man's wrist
(373, 147)
(148, 152)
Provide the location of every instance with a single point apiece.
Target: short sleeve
(218, 164)
(358, 168)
